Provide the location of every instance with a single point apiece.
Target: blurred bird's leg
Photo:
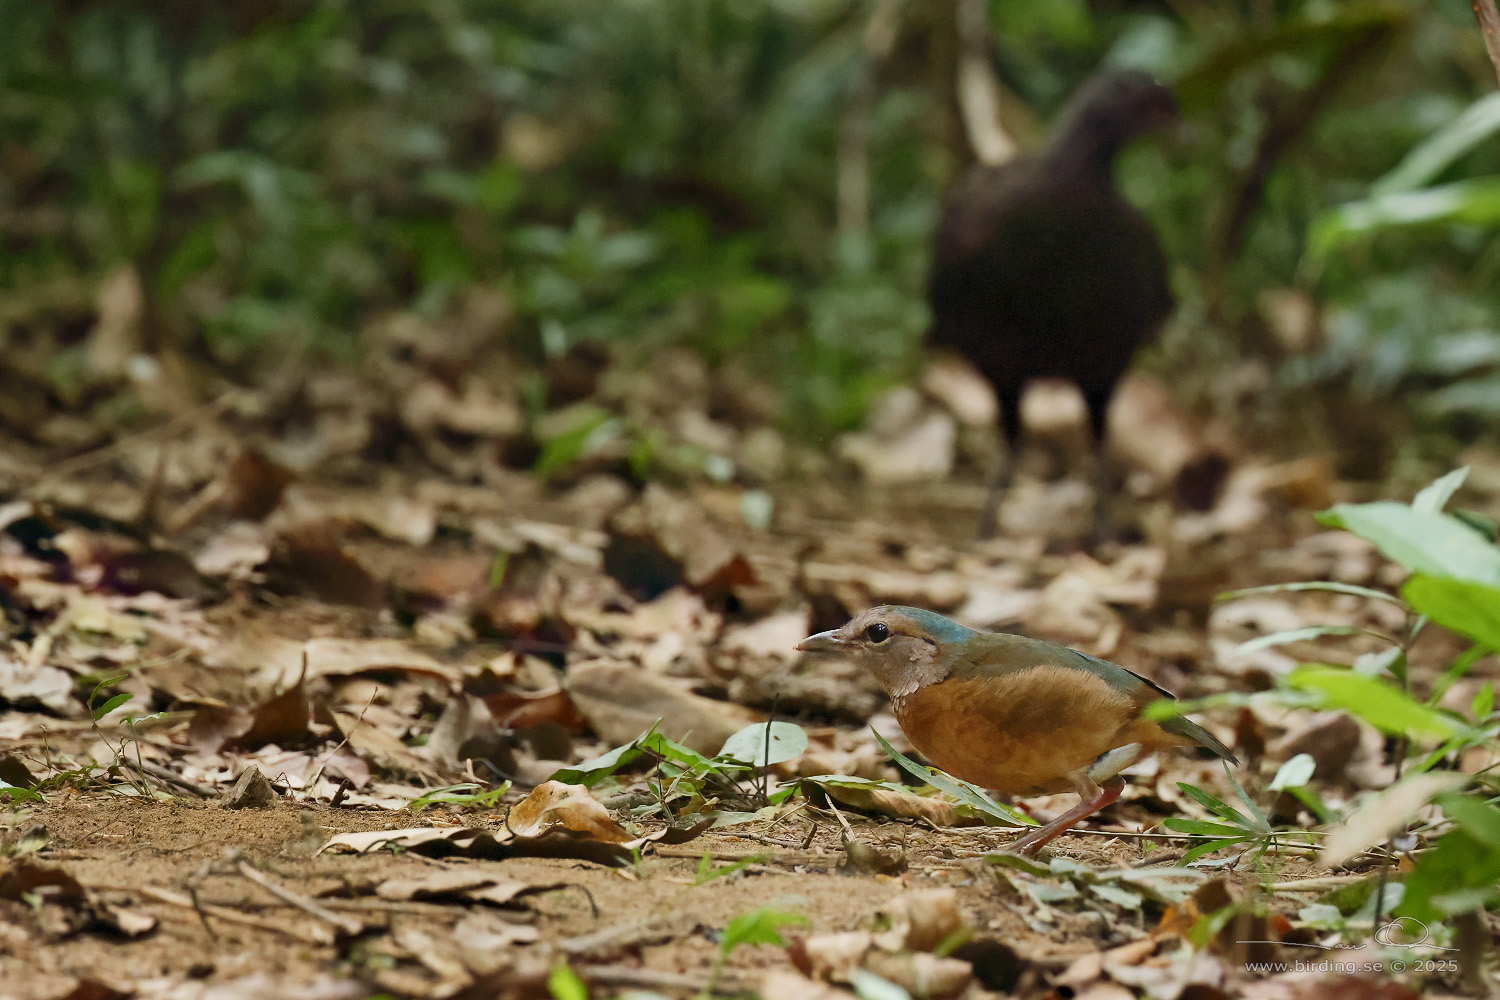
(1098, 407)
(1010, 433)
(989, 518)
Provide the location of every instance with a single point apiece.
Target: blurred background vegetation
(756, 179)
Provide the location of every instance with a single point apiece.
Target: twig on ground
(625, 975)
(224, 913)
(345, 924)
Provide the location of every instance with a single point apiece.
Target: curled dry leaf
(832, 957)
(919, 920)
(921, 974)
(456, 885)
(282, 718)
(553, 804)
(785, 984)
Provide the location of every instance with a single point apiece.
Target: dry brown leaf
(452, 884)
(553, 804)
(621, 701)
(920, 920)
(832, 957)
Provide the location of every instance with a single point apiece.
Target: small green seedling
(759, 926)
(465, 793)
(707, 872)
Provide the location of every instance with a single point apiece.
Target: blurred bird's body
(1041, 268)
(1014, 714)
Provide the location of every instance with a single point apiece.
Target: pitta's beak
(824, 642)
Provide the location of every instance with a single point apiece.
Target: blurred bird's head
(904, 648)
(1115, 106)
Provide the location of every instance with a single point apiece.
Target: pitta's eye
(878, 632)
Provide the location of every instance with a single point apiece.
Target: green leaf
(1217, 806)
(1207, 847)
(1479, 819)
(465, 793)
(707, 872)
(593, 430)
(764, 744)
(1294, 773)
(591, 772)
(758, 926)
(1463, 606)
(1203, 828)
(1430, 157)
(1422, 541)
(1027, 865)
(1436, 494)
(563, 983)
(1484, 702)
(1475, 202)
(18, 794)
(1458, 864)
(959, 789)
(113, 703)
(649, 743)
(1380, 704)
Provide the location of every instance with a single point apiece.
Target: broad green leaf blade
(1479, 819)
(1448, 877)
(959, 789)
(764, 744)
(17, 794)
(1476, 202)
(1382, 705)
(591, 772)
(1424, 542)
(1208, 847)
(1216, 806)
(1463, 606)
(1203, 828)
(1436, 494)
(112, 704)
(1430, 157)
(1483, 703)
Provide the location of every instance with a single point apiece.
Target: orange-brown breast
(1025, 731)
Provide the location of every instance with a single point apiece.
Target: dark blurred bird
(1042, 269)
(1018, 715)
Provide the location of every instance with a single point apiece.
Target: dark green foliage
(281, 172)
